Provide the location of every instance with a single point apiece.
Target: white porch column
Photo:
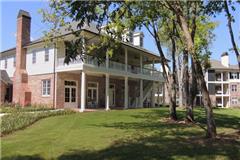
(83, 91)
(141, 93)
(126, 59)
(125, 92)
(107, 92)
(153, 95)
(141, 64)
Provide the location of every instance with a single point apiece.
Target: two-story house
(40, 76)
(223, 82)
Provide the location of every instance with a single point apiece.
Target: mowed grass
(125, 134)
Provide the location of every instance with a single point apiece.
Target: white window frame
(234, 75)
(234, 88)
(46, 55)
(234, 100)
(45, 87)
(93, 88)
(34, 57)
(70, 87)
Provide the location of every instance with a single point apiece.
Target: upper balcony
(218, 77)
(109, 66)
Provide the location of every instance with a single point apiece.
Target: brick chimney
(21, 95)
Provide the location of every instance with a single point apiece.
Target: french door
(92, 94)
(112, 95)
(70, 94)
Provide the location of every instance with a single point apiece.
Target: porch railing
(87, 59)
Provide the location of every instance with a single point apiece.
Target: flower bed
(20, 120)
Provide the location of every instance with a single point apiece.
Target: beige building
(39, 75)
(223, 83)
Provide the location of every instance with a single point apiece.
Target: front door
(70, 94)
(92, 99)
(112, 95)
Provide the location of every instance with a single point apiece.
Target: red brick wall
(35, 87)
(20, 86)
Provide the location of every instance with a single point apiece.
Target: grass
(19, 120)
(119, 135)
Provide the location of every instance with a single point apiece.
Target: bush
(13, 108)
(20, 120)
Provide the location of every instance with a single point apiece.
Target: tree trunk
(229, 18)
(193, 88)
(173, 114)
(189, 108)
(180, 83)
(170, 81)
(172, 102)
(211, 127)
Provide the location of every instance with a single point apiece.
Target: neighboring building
(223, 83)
(40, 76)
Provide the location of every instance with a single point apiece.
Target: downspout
(54, 77)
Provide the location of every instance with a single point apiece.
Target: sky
(9, 10)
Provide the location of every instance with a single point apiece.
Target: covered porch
(86, 90)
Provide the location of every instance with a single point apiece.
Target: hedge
(20, 120)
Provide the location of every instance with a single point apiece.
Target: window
(5, 64)
(70, 91)
(46, 56)
(34, 57)
(234, 100)
(14, 61)
(46, 86)
(234, 88)
(234, 75)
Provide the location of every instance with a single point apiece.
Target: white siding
(40, 67)
(10, 68)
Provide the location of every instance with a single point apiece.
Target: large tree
(151, 15)
(177, 7)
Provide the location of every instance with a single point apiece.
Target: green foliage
(18, 119)
(13, 108)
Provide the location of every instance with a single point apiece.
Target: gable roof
(4, 77)
(215, 64)
(89, 28)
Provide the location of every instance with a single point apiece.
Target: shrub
(20, 120)
(13, 108)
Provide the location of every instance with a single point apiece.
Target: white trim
(46, 95)
(92, 88)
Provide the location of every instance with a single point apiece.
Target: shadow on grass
(156, 139)
(160, 148)
(24, 157)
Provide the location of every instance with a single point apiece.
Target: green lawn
(120, 135)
